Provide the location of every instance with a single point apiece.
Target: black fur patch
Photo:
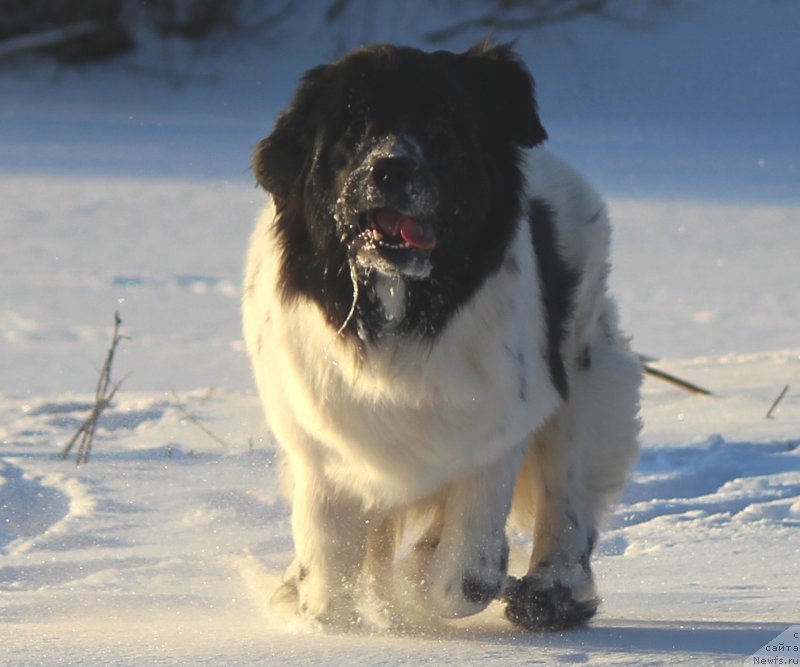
(479, 592)
(586, 556)
(585, 359)
(468, 113)
(550, 608)
(558, 282)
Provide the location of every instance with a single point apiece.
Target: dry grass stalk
(103, 396)
(674, 380)
(193, 419)
(775, 403)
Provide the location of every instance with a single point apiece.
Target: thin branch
(193, 419)
(540, 15)
(775, 403)
(46, 39)
(103, 397)
(336, 9)
(206, 397)
(256, 28)
(674, 380)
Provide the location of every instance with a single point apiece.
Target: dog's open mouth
(391, 229)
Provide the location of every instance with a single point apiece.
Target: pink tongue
(412, 232)
(416, 234)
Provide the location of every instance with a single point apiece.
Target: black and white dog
(425, 309)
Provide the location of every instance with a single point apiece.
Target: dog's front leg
(330, 532)
(467, 567)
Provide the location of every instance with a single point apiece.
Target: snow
(121, 193)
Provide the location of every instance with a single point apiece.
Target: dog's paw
(295, 600)
(285, 599)
(535, 605)
(466, 586)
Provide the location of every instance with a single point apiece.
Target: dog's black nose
(393, 175)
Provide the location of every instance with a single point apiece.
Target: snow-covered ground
(121, 194)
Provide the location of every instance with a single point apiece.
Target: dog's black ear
(279, 161)
(507, 91)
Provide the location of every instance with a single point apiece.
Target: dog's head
(400, 163)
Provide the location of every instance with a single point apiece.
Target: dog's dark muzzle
(399, 179)
(391, 202)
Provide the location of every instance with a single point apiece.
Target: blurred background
(688, 98)
(126, 128)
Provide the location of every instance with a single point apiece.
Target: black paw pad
(551, 608)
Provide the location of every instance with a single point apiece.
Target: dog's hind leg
(571, 477)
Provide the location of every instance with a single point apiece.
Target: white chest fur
(394, 424)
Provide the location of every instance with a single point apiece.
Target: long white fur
(371, 437)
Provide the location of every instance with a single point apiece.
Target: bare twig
(205, 398)
(47, 39)
(103, 396)
(674, 380)
(192, 418)
(775, 403)
(532, 15)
